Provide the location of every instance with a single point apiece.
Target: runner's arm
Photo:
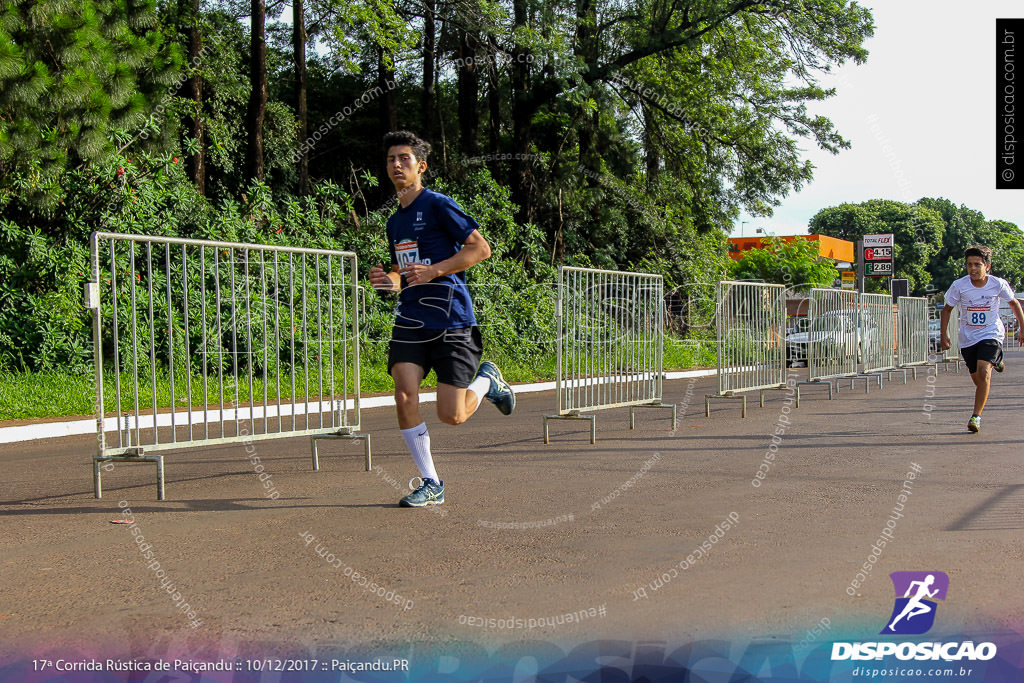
(1019, 313)
(474, 250)
(943, 324)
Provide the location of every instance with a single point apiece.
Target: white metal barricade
(878, 335)
(833, 335)
(610, 341)
(912, 325)
(750, 324)
(207, 343)
(952, 354)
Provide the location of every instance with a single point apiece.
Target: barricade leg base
(99, 460)
(888, 374)
(920, 366)
(367, 454)
(814, 383)
(669, 406)
(783, 388)
(593, 425)
(867, 383)
(707, 403)
(869, 375)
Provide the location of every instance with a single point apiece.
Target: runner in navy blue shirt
(444, 302)
(432, 243)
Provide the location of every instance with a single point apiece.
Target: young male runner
(432, 243)
(981, 329)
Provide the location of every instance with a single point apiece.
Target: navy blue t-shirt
(431, 229)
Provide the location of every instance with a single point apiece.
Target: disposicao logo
(913, 613)
(916, 592)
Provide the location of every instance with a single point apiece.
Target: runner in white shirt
(977, 295)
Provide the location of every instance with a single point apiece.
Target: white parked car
(836, 333)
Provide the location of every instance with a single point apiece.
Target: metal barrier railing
(912, 325)
(878, 333)
(219, 342)
(610, 341)
(750, 324)
(1012, 341)
(833, 337)
(833, 341)
(878, 336)
(952, 354)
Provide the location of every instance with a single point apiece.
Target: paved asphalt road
(611, 534)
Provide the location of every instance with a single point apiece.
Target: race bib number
(977, 316)
(407, 251)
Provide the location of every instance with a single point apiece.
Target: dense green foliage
(43, 324)
(966, 227)
(615, 135)
(917, 233)
(795, 263)
(74, 76)
(585, 133)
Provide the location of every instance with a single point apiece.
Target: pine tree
(73, 76)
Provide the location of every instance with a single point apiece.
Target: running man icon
(916, 588)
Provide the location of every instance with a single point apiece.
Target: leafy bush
(45, 262)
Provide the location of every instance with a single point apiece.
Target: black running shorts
(453, 354)
(987, 349)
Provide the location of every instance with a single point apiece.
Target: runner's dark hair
(420, 147)
(984, 253)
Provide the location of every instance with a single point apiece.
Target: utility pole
(859, 255)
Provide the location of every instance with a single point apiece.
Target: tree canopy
(794, 263)
(966, 227)
(73, 77)
(623, 134)
(917, 234)
(931, 236)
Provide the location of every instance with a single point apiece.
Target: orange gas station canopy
(829, 247)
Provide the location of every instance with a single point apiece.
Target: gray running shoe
(500, 393)
(430, 492)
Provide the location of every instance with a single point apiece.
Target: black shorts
(453, 354)
(987, 349)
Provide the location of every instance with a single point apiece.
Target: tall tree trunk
(388, 119)
(522, 116)
(652, 157)
(258, 91)
(494, 107)
(429, 42)
(196, 164)
(299, 41)
(586, 50)
(388, 103)
(469, 90)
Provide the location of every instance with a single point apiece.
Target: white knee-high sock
(418, 440)
(480, 386)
